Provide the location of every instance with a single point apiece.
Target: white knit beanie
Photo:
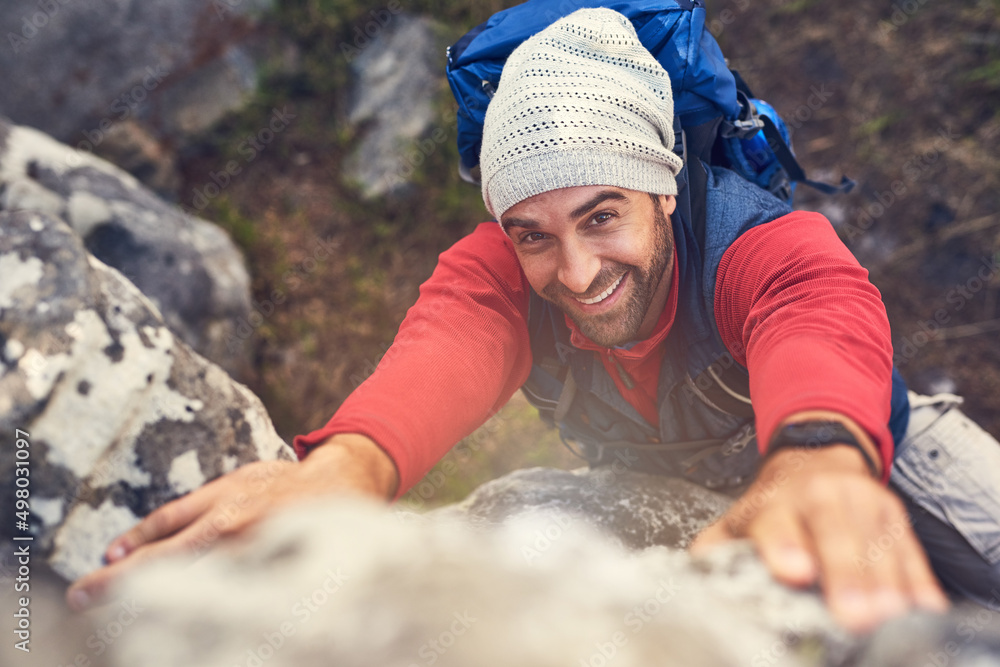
(580, 103)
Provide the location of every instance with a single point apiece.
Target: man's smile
(605, 294)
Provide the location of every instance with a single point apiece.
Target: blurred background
(320, 134)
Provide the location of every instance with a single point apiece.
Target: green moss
(876, 125)
(988, 74)
(224, 213)
(795, 6)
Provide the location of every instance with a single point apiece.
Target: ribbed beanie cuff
(540, 172)
(580, 103)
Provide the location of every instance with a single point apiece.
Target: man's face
(602, 254)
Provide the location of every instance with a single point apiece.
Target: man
(578, 169)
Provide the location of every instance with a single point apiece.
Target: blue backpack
(716, 117)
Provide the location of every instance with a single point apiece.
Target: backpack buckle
(747, 124)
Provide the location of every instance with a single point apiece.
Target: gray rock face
(120, 415)
(376, 588)
(83, 65)
(130, 80)
(638, 510)
(394, 69)
(189, 268)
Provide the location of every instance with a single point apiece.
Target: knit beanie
(580, 103)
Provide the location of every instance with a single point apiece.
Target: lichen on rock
(111, 399)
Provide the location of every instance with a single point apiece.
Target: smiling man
(612, 279)
(627, 329)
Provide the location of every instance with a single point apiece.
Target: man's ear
(669, 204)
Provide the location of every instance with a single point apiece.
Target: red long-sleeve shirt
(791, 302)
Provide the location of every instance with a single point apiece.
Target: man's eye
(601, 218)
(532, 237)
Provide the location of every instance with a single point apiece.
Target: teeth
(603, 295)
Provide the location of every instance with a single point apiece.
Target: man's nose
(578, 266)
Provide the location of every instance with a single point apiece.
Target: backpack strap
(792, 166)
(550, 348)
(726, 389)
(694, 147)
(778, 144)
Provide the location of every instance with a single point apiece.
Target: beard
(622, 323)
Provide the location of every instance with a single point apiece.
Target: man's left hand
(817, 514)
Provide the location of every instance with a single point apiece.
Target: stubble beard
(621, 324)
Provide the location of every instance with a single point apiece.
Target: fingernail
(797, 561)
(116, 553)
(932, 600)
(890, 603)
(852, 604)
(79, 600)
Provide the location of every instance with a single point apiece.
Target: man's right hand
(346, 463)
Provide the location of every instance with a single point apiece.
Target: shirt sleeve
(797, 309)
(460, 354)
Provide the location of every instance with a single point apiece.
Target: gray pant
(947, 472)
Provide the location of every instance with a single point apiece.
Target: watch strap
(813, 434)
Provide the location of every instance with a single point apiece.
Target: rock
(394, 74)
(188, 267)
(117, 415)
(375, 588)
(87, 63)
(209, 93)
(132, 147)
(637, 509)
(82, 67)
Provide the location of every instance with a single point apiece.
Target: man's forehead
(564, 202)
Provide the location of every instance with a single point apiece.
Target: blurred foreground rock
(121, 415)
(543, 588)
(396, 71)
(352, 583)
(189, 268)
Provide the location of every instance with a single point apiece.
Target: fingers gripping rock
(123, 416)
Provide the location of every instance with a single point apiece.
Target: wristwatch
(813, 434)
